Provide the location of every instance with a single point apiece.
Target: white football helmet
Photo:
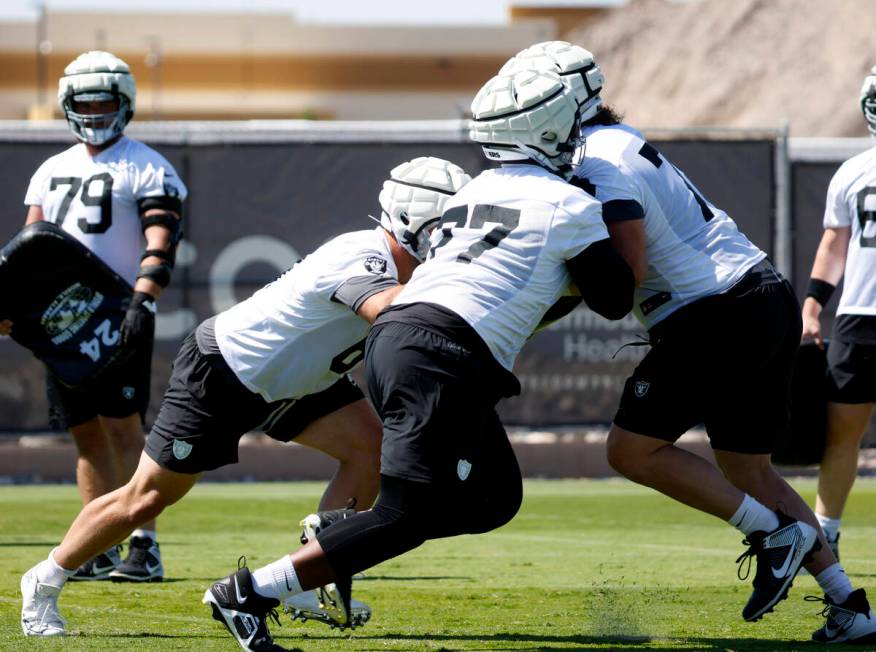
(529, 114)
(93, 77)
(564, 59)
(868, 100)
(412, 200)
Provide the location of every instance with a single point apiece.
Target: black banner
(255, 208)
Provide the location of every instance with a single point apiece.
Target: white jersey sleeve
(693, 248)
(498, 260)
(851, 202)
(98, 199)
(299, 334)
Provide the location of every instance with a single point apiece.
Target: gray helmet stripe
(422, 187)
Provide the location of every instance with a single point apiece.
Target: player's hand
(5, 327)
(812, 331)
(139, 319)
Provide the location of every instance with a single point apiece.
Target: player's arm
(827, 271)
(34, 214)
(604, 278)
(160, 218)
(628, 238)
(373, 305)
(367, 295)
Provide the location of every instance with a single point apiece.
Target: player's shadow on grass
(408, 578)
(526, 642)
(28, 544)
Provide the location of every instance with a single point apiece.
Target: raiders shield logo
(641, 388)
(181, 449)
(128, 392)
(463, 468)
(375, 264)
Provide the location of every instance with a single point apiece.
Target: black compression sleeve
(604, 278)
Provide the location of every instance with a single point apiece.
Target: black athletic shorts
(206, 410)
(724, 361)
(119, 391)
(851, 359)
(435, 385)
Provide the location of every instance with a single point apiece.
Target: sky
(308, 11)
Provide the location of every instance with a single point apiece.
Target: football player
(724, 329)
(848, 247)
(108, 191)
(440, 357)
(276, 362)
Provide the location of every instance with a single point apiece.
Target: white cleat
(308, 606)
(39, 607)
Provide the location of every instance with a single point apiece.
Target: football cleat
(779, 555)
(335, 597)
(850, 622)
(307, 606)
(244, 612)
(39, 607)
(98, 568)
(143, 563)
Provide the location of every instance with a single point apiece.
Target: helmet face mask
(97, 77)
(412, 200)
(868, 100)
(529, 115)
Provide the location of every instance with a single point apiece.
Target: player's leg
(101, 523)
(846, 424)
(143, 560)
(96, 472)
(342, 424)
(851, 394)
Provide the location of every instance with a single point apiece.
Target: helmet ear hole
(403, 216)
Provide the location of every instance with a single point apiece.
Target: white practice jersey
(851, 201)
(694, 249)
(299, 334)
(98, 200)
(498, 259)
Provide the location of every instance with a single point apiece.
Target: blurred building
(258, 65)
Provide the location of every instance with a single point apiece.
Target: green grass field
(585, 565)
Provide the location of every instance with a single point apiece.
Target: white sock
(277, 580)
(753, 517)
(835, 583)
(830, 526)
(49, 572)
(152, 535)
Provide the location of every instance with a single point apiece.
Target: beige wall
(269, 66)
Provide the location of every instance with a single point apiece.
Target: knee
(125, 436)
(143, 505)
(622, 457)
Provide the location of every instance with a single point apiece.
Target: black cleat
(850, 622)
(244, 612)
(779, 555)
(143, 563)
(98, 568)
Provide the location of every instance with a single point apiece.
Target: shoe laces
(48, 606)
(137, 553)
(816, 598)
(744, 560)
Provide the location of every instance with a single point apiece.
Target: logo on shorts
(463, 468)
(181, 449)
(375, 264)
(641, 388)
(128, 392)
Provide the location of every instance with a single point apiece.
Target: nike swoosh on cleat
(240, 598)
(780, 572)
